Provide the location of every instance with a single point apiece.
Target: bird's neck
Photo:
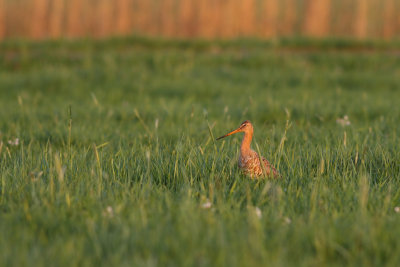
(245, 147)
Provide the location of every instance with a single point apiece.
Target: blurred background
(210, 19)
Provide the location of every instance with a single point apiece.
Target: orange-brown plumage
(249, 160)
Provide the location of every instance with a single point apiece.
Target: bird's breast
(250, 164)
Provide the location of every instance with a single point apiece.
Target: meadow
(108, 154)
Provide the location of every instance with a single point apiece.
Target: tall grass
(2, 19)
(116, 163)
(202, 19)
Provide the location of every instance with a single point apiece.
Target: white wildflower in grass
(206, 205)
(108, 212)
(343, 121)
(226, 109)
(156, 124)
(287, 220)
(397, 209)
(205, 112)
(258, 212)
(14, 142)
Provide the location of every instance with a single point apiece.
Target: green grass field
(116, 163)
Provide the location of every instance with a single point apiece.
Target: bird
(249, 160)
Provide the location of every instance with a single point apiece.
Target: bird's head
(245, 127)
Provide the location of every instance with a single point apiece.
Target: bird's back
(250, 165)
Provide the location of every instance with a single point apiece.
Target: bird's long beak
(228, 134)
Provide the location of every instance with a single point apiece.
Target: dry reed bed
(205, 19)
